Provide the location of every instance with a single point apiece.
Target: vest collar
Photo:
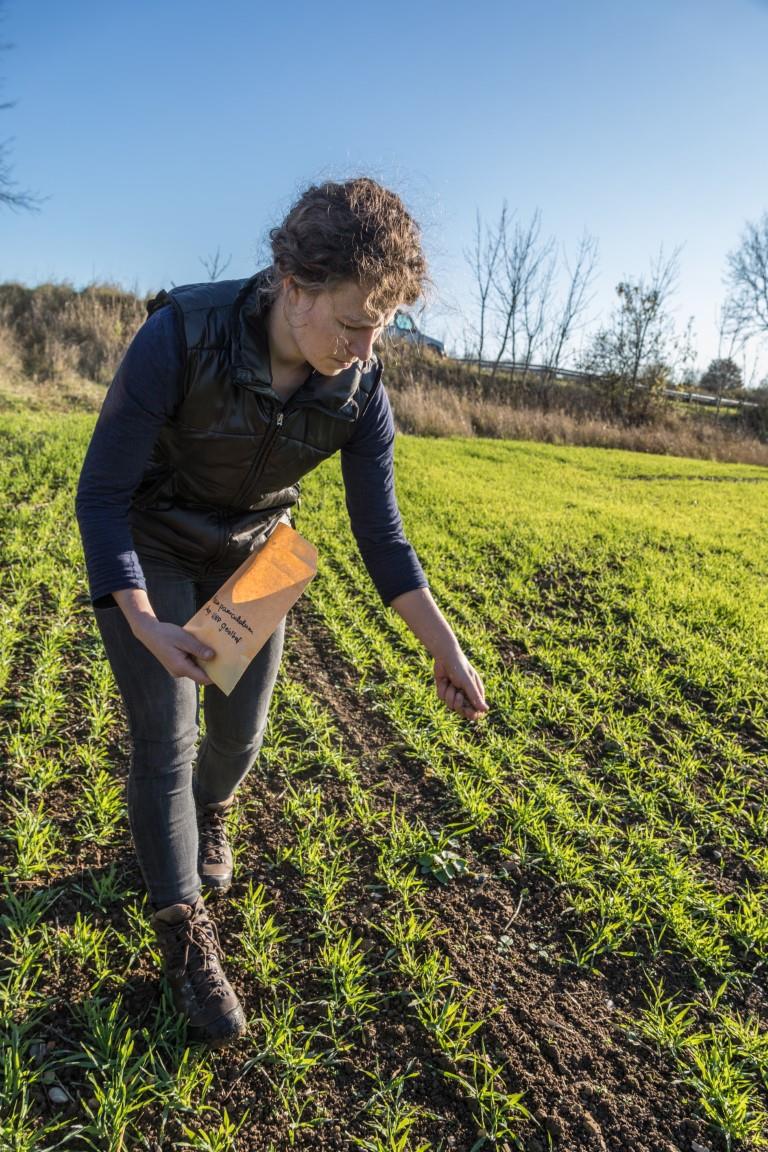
(251, 365)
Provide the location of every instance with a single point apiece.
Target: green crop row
(616, 609)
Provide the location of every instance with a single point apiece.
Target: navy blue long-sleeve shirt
(146, 391)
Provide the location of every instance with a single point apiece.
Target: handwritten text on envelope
(239, 619)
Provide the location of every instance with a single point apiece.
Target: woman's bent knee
(163, 756)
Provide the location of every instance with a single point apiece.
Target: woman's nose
(361, 344)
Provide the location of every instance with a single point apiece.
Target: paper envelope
(239, 619)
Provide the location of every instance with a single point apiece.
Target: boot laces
(213, 836)
(200, 932)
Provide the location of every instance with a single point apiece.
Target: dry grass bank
(59, 347)
(432, 410)
(58, 331)
(61, 394)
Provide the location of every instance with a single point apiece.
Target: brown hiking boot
(214, 856)
(201, 992)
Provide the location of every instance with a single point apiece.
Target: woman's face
(331, 328)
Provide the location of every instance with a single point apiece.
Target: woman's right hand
(174, 648)
(169, 643)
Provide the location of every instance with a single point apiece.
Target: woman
(228, 394)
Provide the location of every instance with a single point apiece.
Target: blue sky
(160, 132)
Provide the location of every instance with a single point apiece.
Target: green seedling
(34, 838)
(119, 1078)
(106, 888)
(288, 1056)
(727, 1095)
(497, 1111)
(21, 1079)
(448, 1021)
(390, 1118)
(87, 946)
(102, 808)
(261, 939)
(222, 1138)
(670, 1025)
(343, 961)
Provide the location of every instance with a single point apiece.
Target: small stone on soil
(554, 1127)
(593, 1131)
(551, 1052)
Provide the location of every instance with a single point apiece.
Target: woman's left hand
(459, 686)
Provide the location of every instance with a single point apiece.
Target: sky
(159, 133)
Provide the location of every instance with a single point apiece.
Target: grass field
(545, 930)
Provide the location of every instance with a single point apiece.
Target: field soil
(562, 1035)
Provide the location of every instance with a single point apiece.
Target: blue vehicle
(404, 328)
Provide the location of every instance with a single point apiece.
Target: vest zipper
(253, 472)
(257, 467)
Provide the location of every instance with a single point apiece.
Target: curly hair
(356, 230)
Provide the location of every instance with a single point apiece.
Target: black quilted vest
(227, 466)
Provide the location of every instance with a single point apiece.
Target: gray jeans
(166, 775)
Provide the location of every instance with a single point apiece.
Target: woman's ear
(298, 302)
(288, 287)
(291, 297)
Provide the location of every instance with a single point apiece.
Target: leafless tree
(518, 281)
(537, 301)
(732, 336)
(750, 365)
(214, 265)
(748, 279)
(576, 300)
(731, 331)
(10, 195)
(482, 259)
(515, 271)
